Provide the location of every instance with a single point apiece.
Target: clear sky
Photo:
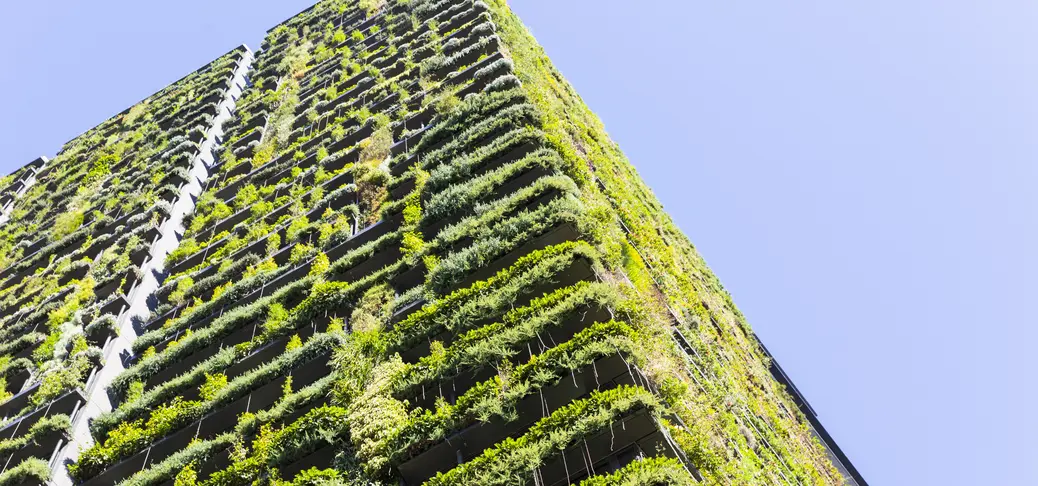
(859, 174)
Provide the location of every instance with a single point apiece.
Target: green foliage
(179, 293)
(247, 195)
(66, 223)
(31, 470)
(497, 398)
(562, 428)
(43, 427)
(286, 388)
(644, 472)
(272, 447)
(373, 309)
(172, 466)
(129, 437)
(339, 37)
(484, 345)
(467, 192)
(273, 243)
(263, 154)
(487, 299)
(188, 246)
(209, 210)
(338, 132)
(135, 391)
(99, 170)
(131, 434)
(276, 316)
(317, 477)
(294, 343)
(412, 244)
(300, 253)
(260, 209)
(186, 477)
(214, 384)
(320, 265)
(371, 6)
(58, 381)
(445, 103)
(295, 227)
(493, 239)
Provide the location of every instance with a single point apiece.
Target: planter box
(579, 271)
(160, 320)
(409, 279)
(68, 404)
(360, 83)
(188, 362)
(339, 202)
(402, 189)
(213, 423)
(197, 258)
(424, 396)
(264, 354)
(25, 352)
(632, 436)
(473, 440)
(176, 178)
(116, 306)
(267, 289)
(141, 255)
(365, 236)
(381, 259)
(560, 234)
(403, 312)
(351, 138)
(218, 462)
(259, 247)
(225, 224)
(100, 337)
(517, 182)
(488, 166)
(385, 104)
(254, 135)
(304, 164)
(321, 458)
(16, 381)
(121, 285)
(42, 446)
(470, 73)
(401, 167)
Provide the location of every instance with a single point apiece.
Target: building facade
(393, 246)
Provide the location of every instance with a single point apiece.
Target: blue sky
(859, 174)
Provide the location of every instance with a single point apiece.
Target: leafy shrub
(27, 471)
(66, 223)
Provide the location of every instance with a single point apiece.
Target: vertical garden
(416, 258)
(75, 243)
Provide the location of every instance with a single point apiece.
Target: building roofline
(782, 377)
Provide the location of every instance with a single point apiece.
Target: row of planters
(332, 234)
(512, 366)
(311, 338)
(739, 424)
(73, 252)
(244, 260)
(760, 435)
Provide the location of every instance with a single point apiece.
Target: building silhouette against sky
(392, 246)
